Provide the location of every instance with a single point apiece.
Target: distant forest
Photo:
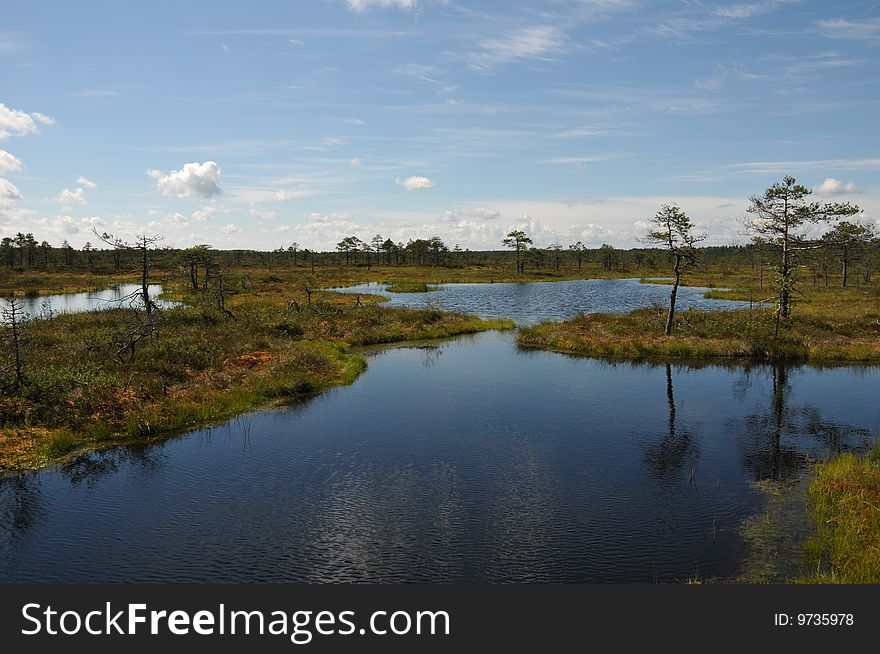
(822, 259)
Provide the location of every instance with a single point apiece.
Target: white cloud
(203, 214)
(469, 215)
(538, 42)
(415, 183)
(287, 195)
(9, 163)
(8, 191)
(230, 229)
(839, 28)
(360, 5)
(94, 221)
(833, 186)
(193, 180)
(68, 197)
(96, 93)
(62, 225)
(714, 83)
(577, 161)
(766, 167)
(82, 181)
(262, 215)
(484, 214)
(14, 122)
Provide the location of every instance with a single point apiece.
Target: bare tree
(13, 319)
(143, 245)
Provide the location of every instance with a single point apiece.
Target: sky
(262, 124)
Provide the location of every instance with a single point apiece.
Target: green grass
(200, 367)
(845, 329)
(409, 287)
(845, 506)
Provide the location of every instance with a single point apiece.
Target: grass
(845, 505)
(776, 535)
(409, 287)
(199, 368)
(34, 283)
(827, 325)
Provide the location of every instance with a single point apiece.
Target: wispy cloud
(765, 167)
(10, 42)
(575, 160)
(697, 17)
(96, 93)
(839, 28)
(715, 82)
(361, 5)
(535, 43)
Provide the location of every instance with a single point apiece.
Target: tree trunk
(145, 271)
(672, 297)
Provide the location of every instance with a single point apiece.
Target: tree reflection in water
(21, 505)
(666, 459)
(776, 444)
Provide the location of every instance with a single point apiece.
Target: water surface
(532, 302)
(463, 461)
(123, 295)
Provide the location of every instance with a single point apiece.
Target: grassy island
(199, 367)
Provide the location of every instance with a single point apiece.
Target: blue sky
(261, 124)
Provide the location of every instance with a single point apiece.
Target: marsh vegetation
(231, 331)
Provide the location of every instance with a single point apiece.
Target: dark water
(123, 295)
(530, 303)
(468, 460)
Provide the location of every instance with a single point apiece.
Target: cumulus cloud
(82, 181)
(287, 195)
(415, 183)
(9, 163)
(230, 229)
(261, 215)
(94, 221)
(64, 225)
(14, 122)
(469, 215)
(203, 214)
(193, 180)
(8, 191)
(833, 186)
(68, 197)
(484, 214)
